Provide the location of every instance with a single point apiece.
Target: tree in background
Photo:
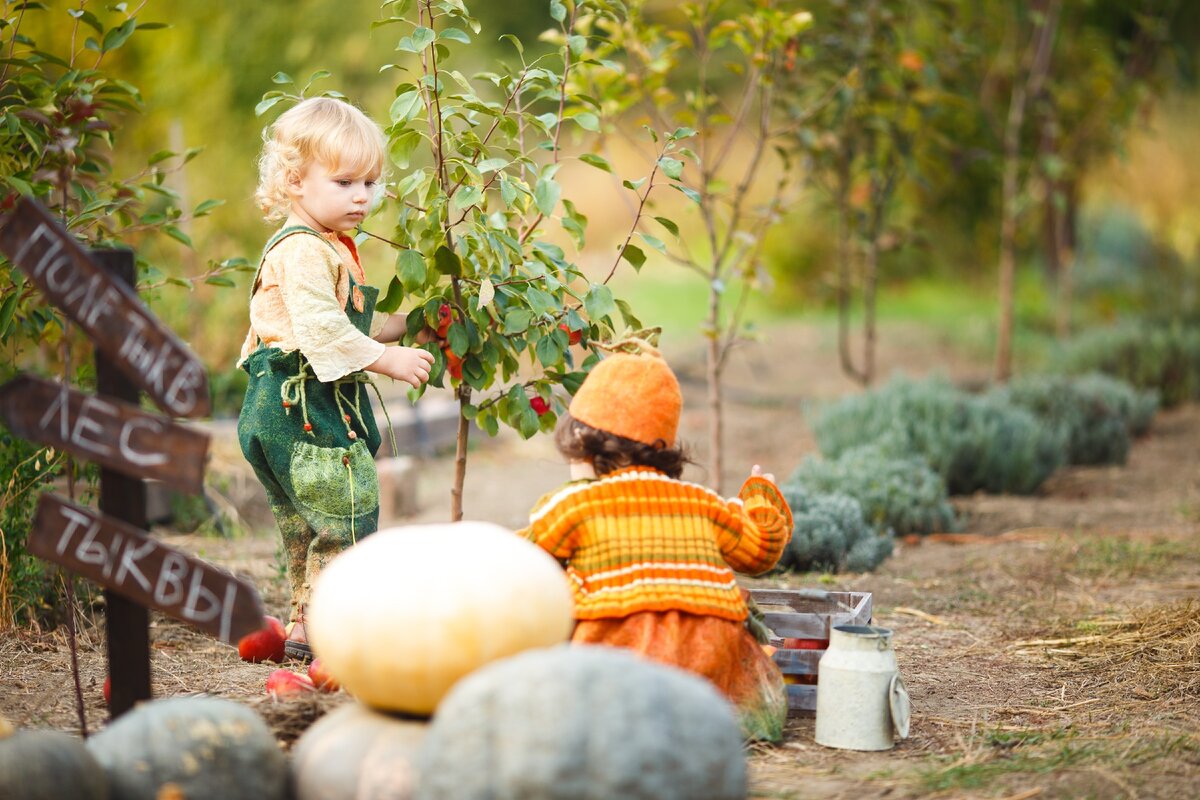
(61, 110)
(858, 114)
(710, 74)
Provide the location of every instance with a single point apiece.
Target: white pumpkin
(406, 612)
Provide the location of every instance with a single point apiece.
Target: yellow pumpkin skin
(401, 616)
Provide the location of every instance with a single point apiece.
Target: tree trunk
(844, 265)
(1027, 82)
(870, 285)
(460, 454)
(1064, 237)
(716, 450)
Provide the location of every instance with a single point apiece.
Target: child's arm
(397, 325)
(408, 364)
(554, 524)
(764, 527)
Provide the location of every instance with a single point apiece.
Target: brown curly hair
(609, 452)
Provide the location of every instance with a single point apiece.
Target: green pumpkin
(356, 752)
(208, 747)
(49, 765)
(582, 723)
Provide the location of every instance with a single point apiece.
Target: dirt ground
(1054, 654)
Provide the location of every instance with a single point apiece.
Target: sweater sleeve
(555, 522)
(323, 332)
(763, 526)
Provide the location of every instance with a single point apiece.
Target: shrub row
(831, 534)
(1165, 358)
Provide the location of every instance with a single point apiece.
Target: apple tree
(480, 214)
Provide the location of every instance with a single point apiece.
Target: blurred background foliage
(1129, 158)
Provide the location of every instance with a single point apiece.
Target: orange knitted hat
(634, 396)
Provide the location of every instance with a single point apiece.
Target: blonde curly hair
(320, 130)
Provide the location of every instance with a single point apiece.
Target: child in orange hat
(651, 557)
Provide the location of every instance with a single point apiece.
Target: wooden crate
(805, 617)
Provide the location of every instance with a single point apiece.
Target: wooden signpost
(110, 432)
(115, 554)
(108, 310)
(133, 350)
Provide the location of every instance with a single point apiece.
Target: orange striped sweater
(637, 540)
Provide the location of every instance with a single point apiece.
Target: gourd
(402, 615)
(49, 765)
(356, 752)
(579, 722)
(205, 746)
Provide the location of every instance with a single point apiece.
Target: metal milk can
(861, 700)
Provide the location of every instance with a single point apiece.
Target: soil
(1051, 651)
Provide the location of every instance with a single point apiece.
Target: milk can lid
(901, 710)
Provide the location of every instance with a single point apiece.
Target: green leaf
(6, 312)
(458, 339)
(421, 38)
(220, 280)
(281, 78)
(492, 164)
(545, 196)
(117, 36)
(177, 235)
(633, 185)
(508, 37)
(447, 261)
(669, 225)
(599, 302)
(455, 35)
(391, 301)
(671, 167)
(653, 241)
(410, 182)
(548, 351)
(528, 423)
(577, 44)
(265, 105)
(517, 321)
(599, 162)
(634, 256)
(587, 120)
(466, 197)
(691, 194)
(683, 133)
(406, 106)
(558, 11)
(540, 302)
(410, 268)
(403, 145)
(207, 206)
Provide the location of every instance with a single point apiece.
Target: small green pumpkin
(360, 753)
(49, 765)
(206, 746)
(577, 722)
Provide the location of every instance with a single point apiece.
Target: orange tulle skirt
(721, 650)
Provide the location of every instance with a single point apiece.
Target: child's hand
(756, 472)
(408, 364)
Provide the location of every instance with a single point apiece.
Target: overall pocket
(336, 481)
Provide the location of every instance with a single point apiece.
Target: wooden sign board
(118, 556)
(111, 313)
(113, 433)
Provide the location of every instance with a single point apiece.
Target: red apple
(285, 683)
(573, 337)
(265, 644)
(539, 405)
(453, 364)
(445, 317)
(107, 690)
(805, 644)
(321, 677)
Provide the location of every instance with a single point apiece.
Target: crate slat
(801, 698)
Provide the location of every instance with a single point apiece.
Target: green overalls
(312, 445)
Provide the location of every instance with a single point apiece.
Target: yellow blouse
(300, 304)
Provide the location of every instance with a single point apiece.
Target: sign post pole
(123, 497)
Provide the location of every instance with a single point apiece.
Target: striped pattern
(637, 540)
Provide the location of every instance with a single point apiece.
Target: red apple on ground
(265, 644)
(321, 677)
(107, 690)
(285, 683)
